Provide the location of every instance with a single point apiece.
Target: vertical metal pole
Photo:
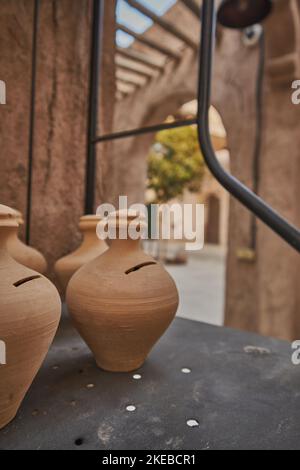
(258, 132)
(32, 116)
(93, 105)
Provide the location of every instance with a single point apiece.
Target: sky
(135, 20)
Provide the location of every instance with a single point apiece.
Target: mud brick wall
(61, 115)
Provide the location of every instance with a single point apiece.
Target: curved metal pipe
(247, 197)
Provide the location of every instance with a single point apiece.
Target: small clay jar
(30, 310)
(123, 301)
(90, 248)
(24, 254)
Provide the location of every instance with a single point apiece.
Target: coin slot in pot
(140, 266)
(27, 279)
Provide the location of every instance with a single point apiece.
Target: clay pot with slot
(123, 301)
(24, 254)
(30, 310)
(90, 248)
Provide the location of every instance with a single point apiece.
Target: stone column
(279, 264)
(263, 296)
(234, 97)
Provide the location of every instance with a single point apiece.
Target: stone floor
(241, 392)
(201, 285)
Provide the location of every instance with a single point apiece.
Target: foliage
(175, 163)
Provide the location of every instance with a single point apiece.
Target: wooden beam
(128, 81)
(131, 70)
(125, 88)
(135, 71)
(170, 28)
(192, 5)
(139, 57)
(148, 42)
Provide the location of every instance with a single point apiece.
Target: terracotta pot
(90, 248)
(122, 302)
(24, 254)
(29, 315)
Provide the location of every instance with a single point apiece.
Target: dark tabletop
(240, 396)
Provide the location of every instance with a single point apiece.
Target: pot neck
(124, 230)
(90, 237)
(88, 227)
(8, 226)
(5, 234)
(14, 234)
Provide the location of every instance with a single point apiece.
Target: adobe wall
(62, 97)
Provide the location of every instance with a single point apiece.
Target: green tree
(175, 163)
